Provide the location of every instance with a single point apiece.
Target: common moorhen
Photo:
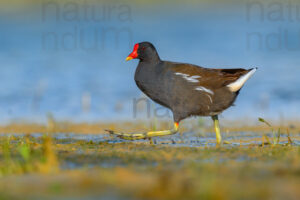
(187, 90)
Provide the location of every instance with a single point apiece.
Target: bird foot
(147, 135)
(128, 136)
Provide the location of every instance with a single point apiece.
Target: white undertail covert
(238, 84)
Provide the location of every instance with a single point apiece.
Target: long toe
(128, 136)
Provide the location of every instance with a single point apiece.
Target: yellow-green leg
(150, 134)
(217, 129)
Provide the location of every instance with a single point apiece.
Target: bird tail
(238, 84)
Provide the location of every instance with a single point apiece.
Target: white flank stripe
(192, 79)
(209, 98)
(204, 90)
(235, 86)
(195, 77)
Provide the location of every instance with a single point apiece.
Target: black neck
(153, 59)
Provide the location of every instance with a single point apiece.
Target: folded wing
(233, 79)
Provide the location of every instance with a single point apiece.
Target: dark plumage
(188, 90)
(184, 88)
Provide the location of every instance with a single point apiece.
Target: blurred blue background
(68, 58)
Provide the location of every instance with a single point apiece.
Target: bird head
(143, 51)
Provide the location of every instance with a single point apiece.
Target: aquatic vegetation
(53, 164)
(164, 172)
(22, 155)
(276, 135)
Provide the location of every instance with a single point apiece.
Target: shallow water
(177, 140)
(184, 140)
